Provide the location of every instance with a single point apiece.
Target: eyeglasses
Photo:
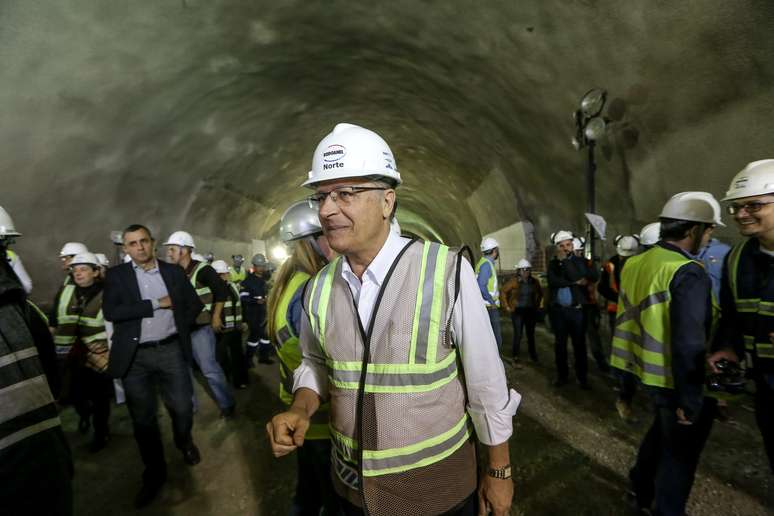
(345, 194)
(749, 207)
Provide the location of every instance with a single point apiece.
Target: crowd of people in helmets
(374, 332)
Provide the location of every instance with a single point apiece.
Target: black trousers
(468, 508)
(314, 487)
(591, 324)
(94, 392)
(764, 415)
(667, 459)
(231, 356)
(524, 319)
(165, 369)
(568, 322)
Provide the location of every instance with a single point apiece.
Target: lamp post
(590, 127)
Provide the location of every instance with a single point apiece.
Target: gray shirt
(152, 287)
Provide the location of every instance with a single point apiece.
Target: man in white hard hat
(8, 235)
(747, 290)
(103, 264)
(568, 278)
(486, 274)
(35, 459)
(152, 306)
(213, 293)
(609, 286)
(229, 341)
(649, 235)
(382, 345)
(521, 296)
(592, 319)
(254, 293)
(662, 325)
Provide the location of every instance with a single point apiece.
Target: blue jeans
(494, 318)
(203, 347)
(166, 369)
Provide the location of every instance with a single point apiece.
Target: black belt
(157, 343)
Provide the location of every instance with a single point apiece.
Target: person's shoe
(83, 425)
(559, 382)
(98, 443)
(228, 413)
(191, 455)
(147, 493)
(624, 410)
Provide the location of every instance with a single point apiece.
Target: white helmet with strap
(352, 151)
(627, 245)
(523, 264)
(220, 267)
(86, 258)
(73, 248)
(102, 259)
(694, 207)
(488, 243)
(757, 178)
(7, 228)
(650, 234)
(561, 236)
(182, 239)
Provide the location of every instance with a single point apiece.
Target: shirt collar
(377, 269)
(152, 269)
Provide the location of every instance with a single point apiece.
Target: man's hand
(286, 431)
(728, 354)
(165, 302)
(217, 325)
(495, 496)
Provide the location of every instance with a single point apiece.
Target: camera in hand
(730, 379)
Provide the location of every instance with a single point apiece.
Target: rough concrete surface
(570, 453)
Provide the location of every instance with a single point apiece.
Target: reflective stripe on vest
(232, 312)
(406, 378)
(204, 292)
(491, 285)
(38, 311)
(66, 320)
(642, 339)
(762, 348)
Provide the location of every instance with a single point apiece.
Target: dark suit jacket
(122, 304)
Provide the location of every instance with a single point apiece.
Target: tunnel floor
(570, 452)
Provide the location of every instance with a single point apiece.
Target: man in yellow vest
(486, 275)
(230, 352)
(747, 290)
(237, 273)
(212, 292)
(662, 324)
(389, 324)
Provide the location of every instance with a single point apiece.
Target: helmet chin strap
(313, 242)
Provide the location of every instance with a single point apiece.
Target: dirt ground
(570, 451)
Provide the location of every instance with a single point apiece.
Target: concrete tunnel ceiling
(203, 115)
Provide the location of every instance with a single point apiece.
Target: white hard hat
(627, 245)
(650, 234)
(300, 220)
(561, 236)
(220, 267)
(395, 227)
(7, 228)
(85, 258)
(102, 259)
(694, 207)
(195, 256)
(73, 248)
(352, 151)
(757, 178)
(488, 243)
(578, 243)
(182, 239)
(523, 264)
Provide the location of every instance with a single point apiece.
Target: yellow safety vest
(66, 320)
(642, 338)
(232, 311)
(491, 285)
(237, 277)
(204, 293)
(409, 402)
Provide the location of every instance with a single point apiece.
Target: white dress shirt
(491, 404)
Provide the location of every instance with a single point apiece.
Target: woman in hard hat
(300, 227)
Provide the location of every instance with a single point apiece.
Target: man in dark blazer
(152, 306)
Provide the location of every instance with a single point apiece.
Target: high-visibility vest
(411, 416)
(642, 339)
(237, 277)
(232, 310)
(491, 285)
(204, 293)
(67, 312)
(752, 309)
(289, 353)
